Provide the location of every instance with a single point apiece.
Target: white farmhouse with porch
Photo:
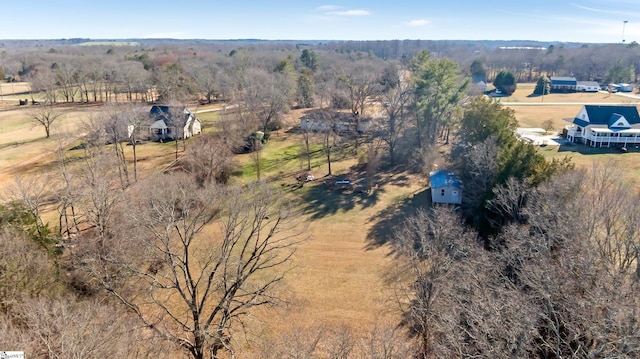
(605, 126)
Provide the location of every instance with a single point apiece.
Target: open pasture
(23, 143)
(12, 92)
(337, 277)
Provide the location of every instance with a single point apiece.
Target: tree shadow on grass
(399, 180)
(587, 150)
(319, 201)
(20, 143)
(387, 220)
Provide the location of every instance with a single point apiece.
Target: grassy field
(337, 277)
(23, 145)
(11, 92)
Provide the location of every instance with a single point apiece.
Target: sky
(602, 21)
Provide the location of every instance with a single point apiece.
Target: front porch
(603, 137)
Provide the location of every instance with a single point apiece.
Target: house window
(442, 192)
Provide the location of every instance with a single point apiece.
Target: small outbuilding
(624, 87)
(588, 86)
(445, 187)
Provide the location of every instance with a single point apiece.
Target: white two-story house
(605, 126)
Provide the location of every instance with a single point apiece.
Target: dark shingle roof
(558, 80)
(613, 119)
(166, 114)
(580, 122)
(602, 115)
(478, 78)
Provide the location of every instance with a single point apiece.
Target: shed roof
(444, 178)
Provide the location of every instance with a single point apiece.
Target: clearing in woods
(337, 276)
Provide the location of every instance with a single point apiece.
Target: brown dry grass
(337, 276)
(9, 89)
(23, 146)
(535, 116)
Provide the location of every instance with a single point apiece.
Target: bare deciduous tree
(384, 342)
(264, 97)
(33, 192)
(560, 283)
(328, 122)
(307, 135)
(133, 119)
(482, 164)
(434, 246)
(45, 115)
(209, 160)
(395, 101)
(191, 284)
(70, 328)
(25, 269)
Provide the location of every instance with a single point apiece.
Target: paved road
(541, 103)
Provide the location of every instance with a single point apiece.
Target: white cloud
(418, 23)
(606, 11)
(324, 8)
(350, 13)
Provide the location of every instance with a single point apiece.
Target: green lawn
(584, 157)
(281, 158)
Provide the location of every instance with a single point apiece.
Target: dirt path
(34, 159)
